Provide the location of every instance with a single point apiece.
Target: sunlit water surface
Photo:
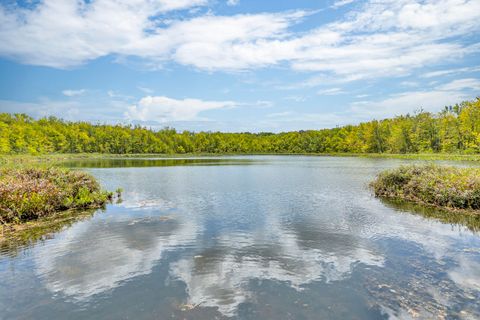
(249, 238)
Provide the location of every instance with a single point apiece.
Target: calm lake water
(248, 238)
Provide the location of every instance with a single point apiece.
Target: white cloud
(433, 17)
(233, 2)
(289, 120)
(69, 109)
(394, 105)
(119, 96)
(246, 41)
(331, 92)
(170, 5)
(73, 93)
(67, 33)
(461, 84)
(340, 3)
(408, 102)
(440, 73)
(163, 109)
(379, 38)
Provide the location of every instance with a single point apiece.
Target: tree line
(455, 129)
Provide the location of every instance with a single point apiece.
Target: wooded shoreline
(453, 130)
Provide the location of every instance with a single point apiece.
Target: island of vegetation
(451, 188)
(31, 193)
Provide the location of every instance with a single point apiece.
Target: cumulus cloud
(375, 39)
(84, 32)
(163, 109)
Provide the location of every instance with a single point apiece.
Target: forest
(455, 129)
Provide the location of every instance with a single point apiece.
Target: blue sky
(239, 65)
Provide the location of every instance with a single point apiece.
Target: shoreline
(21, 159)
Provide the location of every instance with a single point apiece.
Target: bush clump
(31, 193)
(447, 187)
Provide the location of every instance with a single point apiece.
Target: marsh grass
(451, 188)
(29, 193)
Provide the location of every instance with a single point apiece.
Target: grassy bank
(451, 188)
(29, 193)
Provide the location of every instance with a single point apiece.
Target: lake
(254, 237)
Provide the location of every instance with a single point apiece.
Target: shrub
(448, 187)
(30, 193)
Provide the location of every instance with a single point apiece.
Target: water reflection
(470, 220)
(91, 258)
(291, 239)
(155, 162)
(219, 277)
(14, 241)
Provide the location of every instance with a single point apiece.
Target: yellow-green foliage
(454, 130)
(449, 187)
(30, 193)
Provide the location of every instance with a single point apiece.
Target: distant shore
(19, 159)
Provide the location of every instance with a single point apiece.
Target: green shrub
(449, 187)
(30, 193)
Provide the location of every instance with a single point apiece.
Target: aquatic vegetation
(31, 193)
(447, 187)
(16, 237)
